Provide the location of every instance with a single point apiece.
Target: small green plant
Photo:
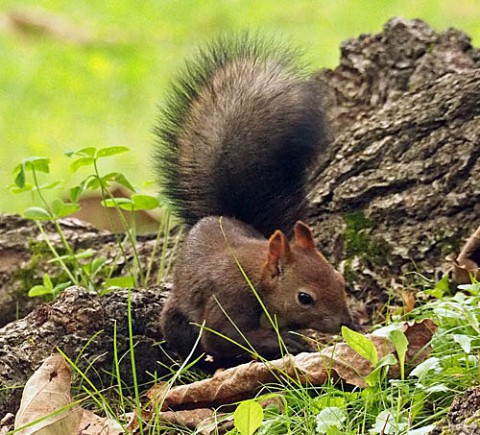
(52, 212)
(83, 267)
(47, 288)
(360, 344)
(400, 342)
(330, 420)
(365, 347)
(90, 157)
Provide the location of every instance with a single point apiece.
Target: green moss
(356, 238)
(358, 241)
(348, 272)
(31, 274)
(451, 242)
(26, 277)
(39, 250)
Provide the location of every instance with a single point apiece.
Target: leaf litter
(339, 362)
(47, 406)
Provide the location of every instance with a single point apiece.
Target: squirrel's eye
(304, 298)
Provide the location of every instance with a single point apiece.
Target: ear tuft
(303, 236)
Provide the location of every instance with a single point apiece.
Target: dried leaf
(133, 426)
(338, 361)
(467, 263)
(204, 419)
(419, 335)
(92, 424)
(46, 392)
(6, 424)
(158, 391)
(44, 396)
(408, 297)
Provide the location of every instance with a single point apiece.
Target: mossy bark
(24, 258)
(400, 188)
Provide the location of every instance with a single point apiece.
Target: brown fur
(207, 275)
(242, 128)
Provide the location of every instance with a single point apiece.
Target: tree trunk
(398, 190)
(24, 256)
(462, 418)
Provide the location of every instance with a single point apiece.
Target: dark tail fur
(239, 131)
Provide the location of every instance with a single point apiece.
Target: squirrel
(239, 132)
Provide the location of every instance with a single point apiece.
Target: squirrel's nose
(352, 324)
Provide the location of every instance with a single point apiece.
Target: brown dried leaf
(408, 297)
(133, 425)
(419, 335)
(225, 386)
(158, 391)
(338, 361)
(467, 263)
(205, 419)
(47, 391)
(92, 424)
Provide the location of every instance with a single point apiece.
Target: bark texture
(24, 257)
(401, 186)
(82, 324)
(462, 418)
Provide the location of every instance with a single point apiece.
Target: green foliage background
(58, 96)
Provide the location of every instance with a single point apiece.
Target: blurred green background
(97, 77)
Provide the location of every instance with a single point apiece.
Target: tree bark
(398, 190)
(24, 256)
(462, 418)
(81, 324)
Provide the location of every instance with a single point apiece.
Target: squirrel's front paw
(296, 342)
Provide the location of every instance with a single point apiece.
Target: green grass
(56, 96)
(405, 406)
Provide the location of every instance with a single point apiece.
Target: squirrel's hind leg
(178, 332)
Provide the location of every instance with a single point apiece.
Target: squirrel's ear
(278, 254)
(303, 236)
(278, 247)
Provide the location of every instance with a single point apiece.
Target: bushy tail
(238, 132)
